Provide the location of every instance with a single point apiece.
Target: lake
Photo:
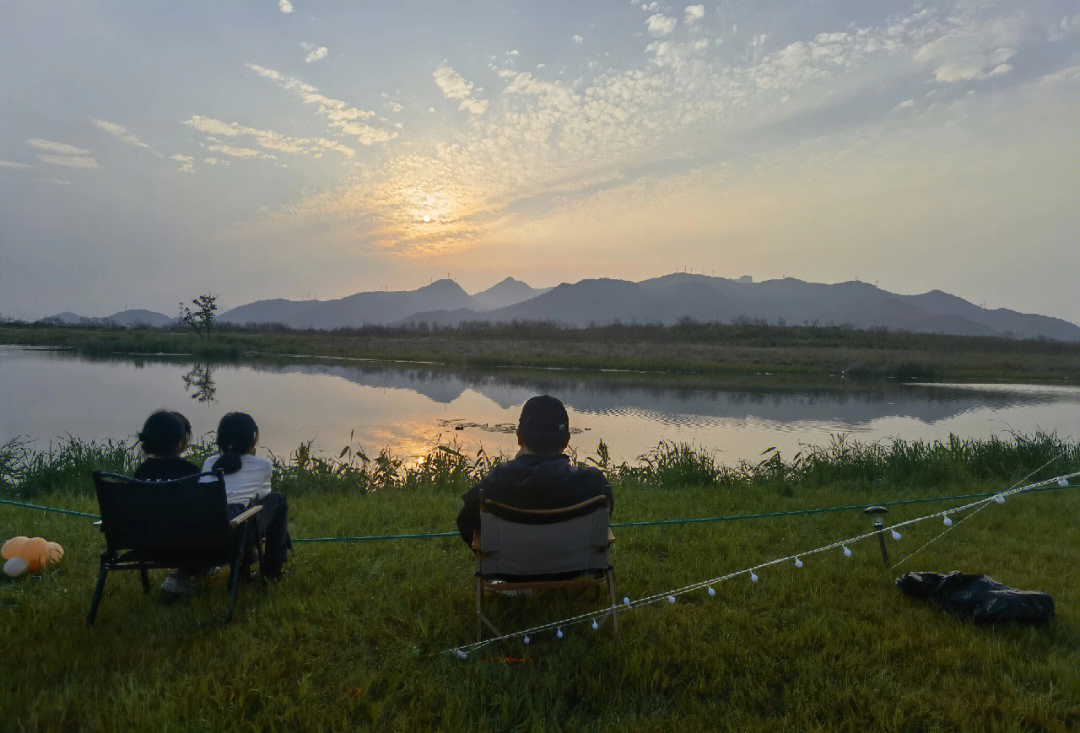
(410, 408)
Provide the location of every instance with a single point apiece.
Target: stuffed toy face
(29, 555)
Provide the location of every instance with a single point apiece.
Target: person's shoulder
(208, 464)
(257, 463)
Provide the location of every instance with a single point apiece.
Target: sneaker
(177, 584)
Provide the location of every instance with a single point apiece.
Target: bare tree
(201, 319)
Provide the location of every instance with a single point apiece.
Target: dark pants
(273, 523)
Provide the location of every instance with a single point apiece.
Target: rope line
(464, 650)
(613, 525)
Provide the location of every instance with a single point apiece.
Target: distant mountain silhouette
(505, 293)
(663, 300)
(670, 298)
(378, 307)
(137, 317)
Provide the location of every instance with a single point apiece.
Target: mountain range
(666, 300)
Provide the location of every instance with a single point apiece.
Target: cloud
(972, 50)
(121, 132)
(660, 24)
(187, 162)
(693, 14)
(454, 86)
(285, 6)
(578, 39)
(237, 152)
(69, 161)
(54, 147)
(216, 129)
(314, 54)
(12, 164)
(342, 116)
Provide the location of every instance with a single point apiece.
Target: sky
(154, 151)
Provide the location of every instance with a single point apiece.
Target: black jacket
(533, 481)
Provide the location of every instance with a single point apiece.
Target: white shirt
(252, 481)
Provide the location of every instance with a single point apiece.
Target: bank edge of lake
(706, 350)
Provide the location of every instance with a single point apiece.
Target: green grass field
(352, 639)
(714, 350)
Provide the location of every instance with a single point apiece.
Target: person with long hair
(247, 483)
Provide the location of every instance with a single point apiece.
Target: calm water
(46, 395)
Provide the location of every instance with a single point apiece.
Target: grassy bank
(710, 349)
(351, 639)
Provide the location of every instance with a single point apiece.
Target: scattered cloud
(285, 6)
(217, 129)
(12, 164)
(237, 152)
(70, 161)
(58, 181)
(693, 14)
(54, 147)
(970, 50)
(660, 24)
(187, 162)
(454, 86)
(578, 39)
(314, 53)
(342, 116)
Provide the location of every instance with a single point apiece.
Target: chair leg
(259, 554)
(145, 577)
(97, 593)
(479, 610)
(614, 607)
(234, 579)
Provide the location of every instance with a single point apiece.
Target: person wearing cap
(540, 476)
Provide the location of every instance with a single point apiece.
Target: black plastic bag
(979, 597)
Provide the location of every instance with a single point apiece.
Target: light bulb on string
(847, 551)
(947, 521)
(595, 625)
(1063, 482)
(753, 577)
(895, 534)
(626, 601)
(526, 639)
(462, 654)
(711, 591)
(558, 633)
(999, 499)
(798, 563)
(671, 599)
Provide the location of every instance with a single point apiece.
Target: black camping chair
(169, 524)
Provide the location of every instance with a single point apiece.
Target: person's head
(165, 433)
(237, 434)
(544, 426)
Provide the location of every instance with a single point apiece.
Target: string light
(626, 601)
(671, 599)
(895, 534)
(558, 633)
(462, 654)
(753, 577)
(526, 639)
(999, 499)
(595, 626)
(1063, 482)
(798, 563)
(711, 591)
(847, 551)
(947, 521)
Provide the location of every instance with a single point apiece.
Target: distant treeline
(743, 332)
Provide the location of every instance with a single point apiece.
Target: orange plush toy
(29, 555)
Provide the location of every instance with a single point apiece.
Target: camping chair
(569, 550)
(170, 524)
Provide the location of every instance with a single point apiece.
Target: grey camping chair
(551, 548)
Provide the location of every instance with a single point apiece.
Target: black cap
(544, 425)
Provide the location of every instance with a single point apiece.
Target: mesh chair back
(575, 545)
(185, 520)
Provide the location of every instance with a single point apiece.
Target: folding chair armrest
(246, 515)
(97, 526)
